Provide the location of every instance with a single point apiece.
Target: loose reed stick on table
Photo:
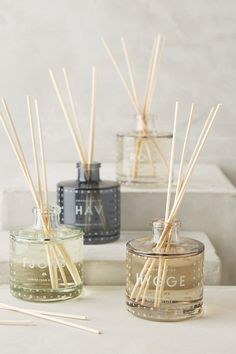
(16, 322)
(56, 314)
(48, 318)
(165, 236)
(63, 315)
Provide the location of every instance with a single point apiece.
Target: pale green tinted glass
(46, 267)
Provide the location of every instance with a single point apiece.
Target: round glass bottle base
(100, 239)
(40, 295)
(165, 285)
(167, 312)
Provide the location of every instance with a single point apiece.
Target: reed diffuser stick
(165, 237)
(35, 154)
(172, 155)
(150, 65)
(42, 153)
(48, 318)
(192, 163)
(56, 314)
(196, 151)
(12, 135)
(74, 113)
(16, 322)
(145, 110)
(152, 75)
(109, 52)
(153, 88)
(180, 175)
(67, 116)
(20, 159)
(92, 120)
(163, 262)
(88, 160)
(131, 76)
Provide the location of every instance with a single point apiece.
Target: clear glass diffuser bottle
(166, 284)
(91, 204)
(46, 259)
(142, 156)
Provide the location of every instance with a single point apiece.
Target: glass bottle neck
(145, 124)
(89, 173)
(49, 217)
(159, 227)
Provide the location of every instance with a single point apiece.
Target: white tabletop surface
(122, 333)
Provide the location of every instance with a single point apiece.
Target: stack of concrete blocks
(207, 214)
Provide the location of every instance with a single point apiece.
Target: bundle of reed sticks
(71, 118)
(138, 293)
(142, 110)
(56, 253)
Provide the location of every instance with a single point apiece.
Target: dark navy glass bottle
(91, 204)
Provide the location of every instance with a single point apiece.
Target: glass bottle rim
(161, 223)
(93, 165)
(192, 247)
(52, 209)
(134, 134)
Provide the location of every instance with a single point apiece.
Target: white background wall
(198, 65)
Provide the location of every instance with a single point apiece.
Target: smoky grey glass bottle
(91, 204)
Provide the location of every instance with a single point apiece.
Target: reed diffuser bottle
(91, 204)
(87, 202)
(46, 266)
(45, 259)
(142, 155)
(179, 294)
(165, 272)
